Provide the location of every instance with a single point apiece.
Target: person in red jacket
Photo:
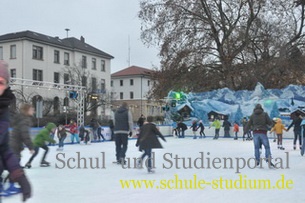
(236, 130)
(74, 131)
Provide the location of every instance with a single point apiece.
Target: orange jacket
(235, 128)
(278, 127)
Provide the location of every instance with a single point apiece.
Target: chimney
(82, 39)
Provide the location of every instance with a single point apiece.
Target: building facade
(42, 58)
(132, 85)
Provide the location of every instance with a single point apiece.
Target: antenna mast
(67, 30)
(128, 51)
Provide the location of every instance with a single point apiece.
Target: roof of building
(69, 43)
(133, 70)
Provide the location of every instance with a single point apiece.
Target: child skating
(201, 131)
(194, 128)
(278, 128)
(40, 142)
(236, 130)
(61, 134)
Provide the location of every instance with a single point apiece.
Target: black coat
(8, 159)
(148, 137)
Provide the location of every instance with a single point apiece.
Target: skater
(141, 121)
(84, 135)
(194, 128)
(303, 133)
(278, 129)
(260, 121)
(94, 126)
(20, 136)
(147, 141)
(274, 134)
(296, 122)
(8, 160)
(201, 127)
(181, 129)
(61, 134)
(174, 129)
(111, 126)
(73, 130)
(236, 130)
(123, 126)
(226, 127)
(248, 133)
(39, 142)
(217, 126)
(100, 134)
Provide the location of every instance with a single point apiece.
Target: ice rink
(208, 175)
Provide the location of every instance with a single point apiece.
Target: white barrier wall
(166, 130)
(210, 132)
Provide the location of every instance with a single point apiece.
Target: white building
(39, 57)
(132, 85)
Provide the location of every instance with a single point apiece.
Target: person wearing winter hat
(260, 122)
(278, 129)
(8, 160)
(40, 142)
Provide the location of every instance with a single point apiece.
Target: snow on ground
(51, 184)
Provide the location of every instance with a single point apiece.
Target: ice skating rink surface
(186, 170)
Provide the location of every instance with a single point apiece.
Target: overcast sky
(105, 24)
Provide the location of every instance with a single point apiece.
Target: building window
(111, 83)
(103, 69)
(148, 82)
(131, 82)
(93, 63)
(37, 75)
(121, 95)
(121, 82)
(56, 56)
(84, 81)
(37, 52)
(103, 86)
(66, 78)
(1, 53)
(66, 59)
(13, 73)
(84, 62)
(13, 51)
(56, 77)
(131, 95)
(94, 86)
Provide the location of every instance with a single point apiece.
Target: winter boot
(44, 163)
(139, 163)
(149, 170)
(294, 147)
(28, 165)
(12, 189)
(122, 161)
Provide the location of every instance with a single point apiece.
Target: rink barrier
(166, 130)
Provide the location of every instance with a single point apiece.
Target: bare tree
(94, 97)
(206, 44)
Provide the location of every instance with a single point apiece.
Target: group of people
(146, 141)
